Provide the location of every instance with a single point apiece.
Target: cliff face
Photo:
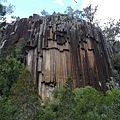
(57, 47)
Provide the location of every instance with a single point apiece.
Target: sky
(106, 8)
(25, 8)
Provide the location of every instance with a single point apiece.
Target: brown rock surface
(57, 47)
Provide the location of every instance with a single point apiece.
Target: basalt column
(57, 47)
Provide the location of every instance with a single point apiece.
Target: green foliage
(48, 114)
(73, 13)
(60, 106)
(5, 9)
(67, 104)
(69, 11)
(10, 69)
(19, 98)
(117, 46)
(112, 105)
(111, 30)
(86, 99)
(9, 51)
(116, 62)
(89, 12)
(14, 50)
(9, 66)
(2, 11)
(7, 110)
(19, 48)
(15, 18)
(78, 14)
(44, 13)
(25, 97)
(83, 104)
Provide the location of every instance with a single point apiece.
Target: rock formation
(57, 47)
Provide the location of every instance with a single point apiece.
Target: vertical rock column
(57, 47)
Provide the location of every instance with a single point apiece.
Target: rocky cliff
(56, 47)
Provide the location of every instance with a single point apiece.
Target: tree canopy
(5, 9)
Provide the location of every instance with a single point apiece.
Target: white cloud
(106, 8)
(59, 2)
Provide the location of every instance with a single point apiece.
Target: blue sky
(25, 8)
